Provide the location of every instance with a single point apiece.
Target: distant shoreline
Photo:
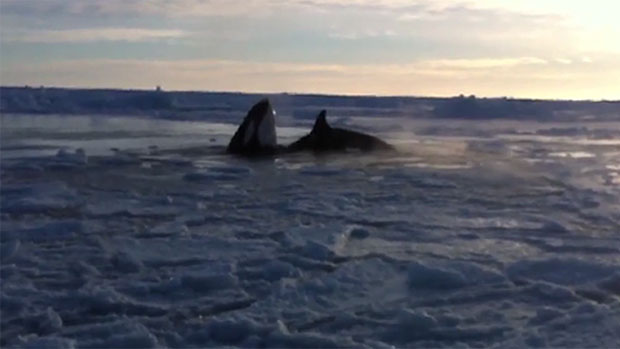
(195, 105)
(304, 94)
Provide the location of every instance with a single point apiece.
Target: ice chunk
(49, 321)
(545, 314)
(127, 262)
(611, 284)
(415, 320)
(359, 233)
(410, 325)
(54, 231)
(560, 271)
(77, 157)
(230, 331)
(207, 283)
(421, 276)
(51, 342)
(553, 227)
(276, 270)
(131, 335)
(9, 250)
(316, 250)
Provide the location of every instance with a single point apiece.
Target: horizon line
(352, 95)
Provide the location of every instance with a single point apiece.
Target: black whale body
(257, 133)
(256, 136)
(324, 138)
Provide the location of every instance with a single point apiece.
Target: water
(498, 233)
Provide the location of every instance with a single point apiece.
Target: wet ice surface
(479, 234)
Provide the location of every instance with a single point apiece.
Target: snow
(495, 234)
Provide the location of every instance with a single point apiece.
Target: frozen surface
(128, 232)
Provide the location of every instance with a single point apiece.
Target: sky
(529, 48)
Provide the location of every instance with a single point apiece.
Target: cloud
(485, 63)
(445, 67)
(140, 7)
(363, 34)
(524, 77)
(93, 35)
(440, 47)
(444, 22)
(401, 8)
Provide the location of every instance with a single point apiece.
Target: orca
(256, 136)
(257, 133)
(324, 138)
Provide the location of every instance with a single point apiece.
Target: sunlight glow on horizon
(533, 49)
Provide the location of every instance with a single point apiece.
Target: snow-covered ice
(129, 232)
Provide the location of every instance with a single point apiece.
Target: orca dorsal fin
(320, 125)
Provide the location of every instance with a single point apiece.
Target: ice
(9, 249)
(126, 262)
(120, 334)
(77, 157)
(48, 343)
(54, 231)
(422, 276)
(501, 233)
(206, 283)
(50, 321)
(560, 271)
(611, 284)
(315, 250)
(41, 198)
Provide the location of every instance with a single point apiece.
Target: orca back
(324, 138)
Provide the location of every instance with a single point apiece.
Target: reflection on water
(40, 135)
(44, 135)
(474, 143)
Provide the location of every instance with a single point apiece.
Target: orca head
(257, 133)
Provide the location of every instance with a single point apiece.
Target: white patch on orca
(248, 133)
(267, 130)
